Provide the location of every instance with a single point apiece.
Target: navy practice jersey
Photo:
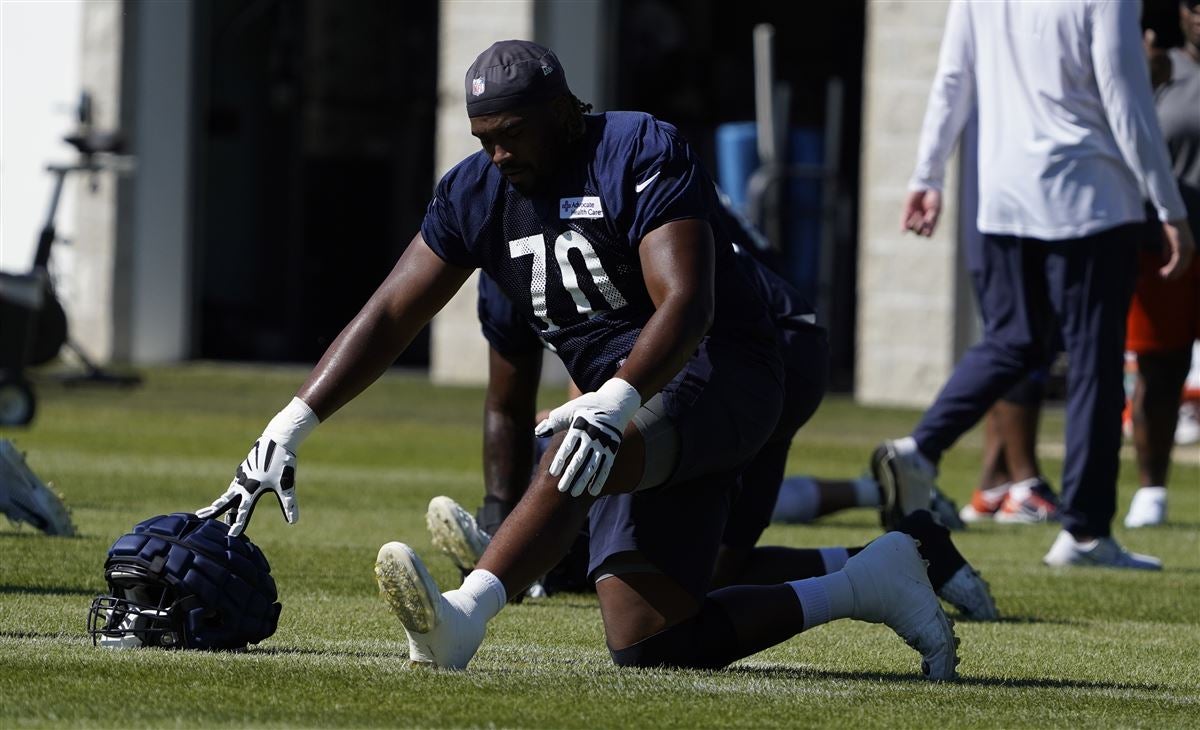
(788, 308)
(568, 261)
(508, 333)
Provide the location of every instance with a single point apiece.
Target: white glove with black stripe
(268, 467)
(595, 423)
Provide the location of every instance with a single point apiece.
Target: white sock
(799, 500)
(1020, 491)
(824, 599)
(481, 595)
(997, 493)
(834, 558)
(866, 492)
(908, 446)
(1150, 493)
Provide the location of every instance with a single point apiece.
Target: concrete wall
(911, 290)
(576, 31)
(457, 350)
(96, 256)
(131, 294)
(159, 277)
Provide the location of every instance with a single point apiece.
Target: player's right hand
(268, 467)
(922, 208)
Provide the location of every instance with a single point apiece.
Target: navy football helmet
(180, 582)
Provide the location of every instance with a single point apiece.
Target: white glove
(596, 424)
(268, 467)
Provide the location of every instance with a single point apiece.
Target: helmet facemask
(140, 611)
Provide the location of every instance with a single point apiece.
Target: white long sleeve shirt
(1069, 143)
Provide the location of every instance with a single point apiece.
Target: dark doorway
(690, 62)
(313, 166)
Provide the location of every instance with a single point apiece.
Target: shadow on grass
(43, 635)
(50, 590)
(401, 653)
(787, 672)
(1022, 620)
(26, 534)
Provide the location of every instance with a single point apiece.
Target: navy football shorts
(723, 405)
(806, 375)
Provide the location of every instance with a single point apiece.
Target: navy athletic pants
(1028, 286)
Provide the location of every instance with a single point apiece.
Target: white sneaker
(969, 592)
(1102, 552)
(24, 498)
(905, 478)
(455, 532)
(440, 632)
(1187, 428)
(890, 587)
(1148, 508)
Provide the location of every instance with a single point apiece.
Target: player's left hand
(268, 467)
(595, 423)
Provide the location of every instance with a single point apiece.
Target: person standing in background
(1068, 143)
(1164, 317)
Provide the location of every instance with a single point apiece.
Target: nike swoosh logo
(645, 183)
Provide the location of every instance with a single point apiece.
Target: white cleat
(1148, 508)
(440, 633)
(1102, 552)
(969, 593)
(905, 480)
(455, 532)
(891, 587)
(24, 498)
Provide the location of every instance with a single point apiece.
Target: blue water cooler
(737, 159)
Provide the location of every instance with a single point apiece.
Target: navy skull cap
(511, 74)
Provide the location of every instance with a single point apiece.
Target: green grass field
(1080, 648)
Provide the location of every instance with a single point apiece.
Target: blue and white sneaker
(1103, 552)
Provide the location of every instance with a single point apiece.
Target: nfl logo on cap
(477, 86)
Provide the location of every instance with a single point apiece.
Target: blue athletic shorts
(806, 375)
(725, 404)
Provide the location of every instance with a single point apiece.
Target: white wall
(575, 32)
(97, 260)
(457, 350)
(160, 276)
(39, 86)
(912, 294)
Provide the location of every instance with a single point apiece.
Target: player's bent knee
(706, 640)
